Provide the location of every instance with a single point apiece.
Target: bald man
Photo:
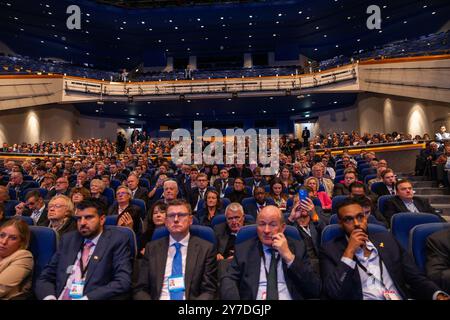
(270, 266)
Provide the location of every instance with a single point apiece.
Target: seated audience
(442, 135)
(310, 229)
(343, 188)
(325, 200)
(270, 266)
(438, 258)
(156, 218)
(18, 185)
(405, 201)
(388, 186)
(16, 262)
(78, 194)
(257, 180)
(353, 264)
(223, 182)
(61, 187)
(211, 209)
(277, 195)
(97, 188)
(34, 207)
(378, 178)
(327, 184)
(60, 211)
(370, 210)
(70, 276)
(163, 274)
(199, 192)
(48, 183)
(129, 215)
(226, 236)
(258, 202)
(443, 167)
(239, 193)
(137, 192)
(4, 195)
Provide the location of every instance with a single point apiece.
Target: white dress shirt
(372, 287)
(165, 295)
(283, 292)
(36, 215)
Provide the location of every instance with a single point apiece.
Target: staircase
(439, 198)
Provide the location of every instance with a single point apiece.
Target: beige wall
(52, 123)
(336, 120)
(36, 124)
(381, 113)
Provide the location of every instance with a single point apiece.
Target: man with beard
(92, 263)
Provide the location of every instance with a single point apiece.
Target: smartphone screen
(302, 194)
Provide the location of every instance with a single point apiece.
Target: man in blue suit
(92, 263)
(361, 265)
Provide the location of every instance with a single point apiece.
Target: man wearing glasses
(362, 265)
(61, 188)
(179, 266)
(34, 207)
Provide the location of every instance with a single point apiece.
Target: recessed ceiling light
(124, 22)
(250, 16)
(140, 114)
(381, 31)
(188, 49)
(128, 58)
(335, 102)
(358, 40)
(232, 112)
(324, 35)
(434, 12)
(249, 45)
(221, 18)
(424, 6)
(87, 21)
(249, 35)
(264, 111)
(249, 23)
(292, 109)
(121, 28)
(274, 35)
(142, 22)
(300, 12)
(182, 39)
(148, 102)
(202, 26)
(159, 41)
(42, 41)
(337, 46)
(167, 114)
(315, 49)
(405, 21)
(224, 25)
(197, 114)
(150, 29)
(385, 6)
(277, 22)
(170, 20)
(87, 14)
(280, 14)
(307, 18)
(176, 28)
(118, 38)
(198, 19)
(317, 28)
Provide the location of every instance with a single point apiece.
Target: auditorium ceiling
(113, 37)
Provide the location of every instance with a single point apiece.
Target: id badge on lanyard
(175, 283)
(76, 290)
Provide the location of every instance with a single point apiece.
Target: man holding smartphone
(270, 266)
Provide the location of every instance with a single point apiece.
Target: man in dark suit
(180, 266)
(388, 185)
(305, 135)
(258, 202)
(199, 193)
(137, 192)
(93, 263)
(310, 228)
(115, 174)
(226, 235)
(438, 258)
(223, 182)
(240, 170)
(257, 180)
(61, 188)
(34, 207)
(405, 201)
(17, 184)
(371, 266)
(270, 266)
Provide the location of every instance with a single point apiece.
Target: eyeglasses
(171, 216)
(351, 220)
(121, 193)
(234, 218)
(30, 203)
(56, 206)
(238, 182)
(4, 235)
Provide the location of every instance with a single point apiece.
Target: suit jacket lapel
(314, 236)
(160, 260)
(98, 253)
(387, 262)
(254, 255)
(72, 255)
(191, 262)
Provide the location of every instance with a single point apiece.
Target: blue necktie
(177, 270)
